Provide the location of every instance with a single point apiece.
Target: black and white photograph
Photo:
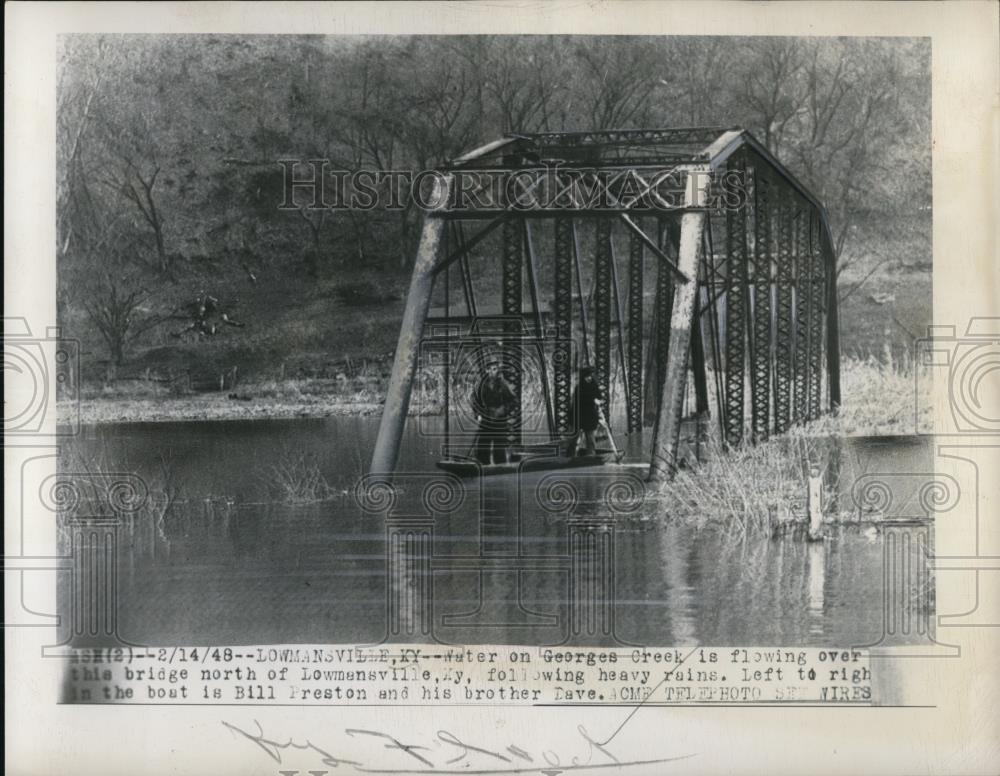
(536, 291)
(606, 370)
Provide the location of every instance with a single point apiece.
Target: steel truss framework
(743, 293)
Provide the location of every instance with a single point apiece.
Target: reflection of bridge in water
(547, 558)
(504, 572)
(574, 583)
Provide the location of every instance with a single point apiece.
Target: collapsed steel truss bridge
(743, 287)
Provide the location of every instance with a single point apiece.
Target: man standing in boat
(586, 410)
(495, 404)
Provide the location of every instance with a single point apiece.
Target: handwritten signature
(514, 758)
(517, 759)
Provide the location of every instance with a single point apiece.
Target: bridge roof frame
(715, 145)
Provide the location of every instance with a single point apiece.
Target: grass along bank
(759, 489)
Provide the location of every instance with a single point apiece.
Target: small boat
(469, 467)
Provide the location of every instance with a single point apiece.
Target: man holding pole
(586, 409)
(495, 403)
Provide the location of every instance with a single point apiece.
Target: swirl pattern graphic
(872, 495)
(443, 495)
(376, 494)
(557, 495)
(127, 494)
(625, 495)
(940, 494)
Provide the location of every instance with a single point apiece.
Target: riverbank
(203, 408)
(878, 396)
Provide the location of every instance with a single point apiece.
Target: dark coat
(583, 409)
(494, 399)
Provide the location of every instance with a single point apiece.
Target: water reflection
(547, 558)
(817, 587)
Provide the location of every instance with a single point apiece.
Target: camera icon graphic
(36, 369)
(454, 364)
(969, 368)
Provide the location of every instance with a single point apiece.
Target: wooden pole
(663, 458)
(404, 365)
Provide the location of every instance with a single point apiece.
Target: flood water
(529, 560)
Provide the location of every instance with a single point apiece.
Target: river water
(231, 562)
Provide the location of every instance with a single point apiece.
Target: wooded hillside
(172, 251)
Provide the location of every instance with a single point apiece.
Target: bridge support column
(404, 365)
(663, 460)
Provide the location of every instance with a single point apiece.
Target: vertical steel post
(816, 315)
(661, 324)
(802, 301)
(404, 365)
(832, 321)
(663, 458)
(635, 270)
(783, 316)
(698, 367)
(602, 307)
(447, 359)
(512, 308)
(543, 375)
(736, 316)
(707, 277)
(619, 328)
(463, 263)
(579, 293)
(562, 364)
(760, 381)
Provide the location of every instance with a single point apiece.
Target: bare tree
(772, 90)
(616, 82)
(115, 307)
(847, 128)
(131, 171)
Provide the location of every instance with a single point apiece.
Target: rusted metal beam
(760, 381)
(698, 368)
(817, 301)
(803, 299)
(602, 308)
(584, 327)
(404, 365)
(512, 365)
(619, 325)
(709, 271)
(562, 367)
(784, 315)
(832, 323)
(477, 154)
(668, 238)
(635, 329)
(666, 136)
(532, 264)
(489, 212)
(635, 229)
(464, 248)
(736, 318)
(458, 234)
